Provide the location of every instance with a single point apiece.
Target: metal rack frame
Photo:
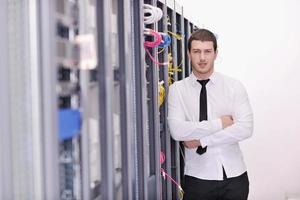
(6, 183)
(49, 105)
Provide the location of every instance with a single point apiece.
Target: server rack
(140, 107)
(48, 73)
(164, 133)
(120, 129)
(175, 24)
(126, 84)
(175, 156)
(103, 12)
(152, 72)
(21, 166)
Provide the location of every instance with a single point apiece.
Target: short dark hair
(203, 35)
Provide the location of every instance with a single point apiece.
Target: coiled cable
(152, 14)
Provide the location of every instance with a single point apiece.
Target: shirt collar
(213, 78)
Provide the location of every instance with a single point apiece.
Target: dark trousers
(236, 188)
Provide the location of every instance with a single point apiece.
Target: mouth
(202, 64)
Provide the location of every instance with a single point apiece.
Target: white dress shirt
(225, 96)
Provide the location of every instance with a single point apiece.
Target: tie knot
(203, 82)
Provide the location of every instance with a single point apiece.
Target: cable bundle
(157, 38)
(172, 69)
(152, 14)
(149, 44)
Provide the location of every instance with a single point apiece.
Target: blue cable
(166, 40)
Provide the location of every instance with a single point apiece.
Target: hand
(192, 144)
(226, 121)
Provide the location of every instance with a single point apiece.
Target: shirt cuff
(204, 142)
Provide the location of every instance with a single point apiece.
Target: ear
(216, 53)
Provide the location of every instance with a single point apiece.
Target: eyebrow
(211, 49)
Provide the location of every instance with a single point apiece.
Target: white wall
(259, 43)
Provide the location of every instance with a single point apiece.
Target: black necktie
(203, 109)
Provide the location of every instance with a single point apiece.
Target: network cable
(152, 14)
(165, 174)
(152, 44)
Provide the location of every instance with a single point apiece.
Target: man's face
(202, 56)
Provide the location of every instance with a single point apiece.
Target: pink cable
(162, 157)
(164, 172)
(157, 40)
(153, 60)
(162, 160)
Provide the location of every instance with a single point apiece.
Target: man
(211, 114)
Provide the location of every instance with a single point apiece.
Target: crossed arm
(227, 120)
(224, 130)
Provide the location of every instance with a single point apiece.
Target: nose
(202, 56)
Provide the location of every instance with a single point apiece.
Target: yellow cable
(180, 63)
(172, 69)
(177, 36)
(181, 193)
(160, 51)
(162, 93)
